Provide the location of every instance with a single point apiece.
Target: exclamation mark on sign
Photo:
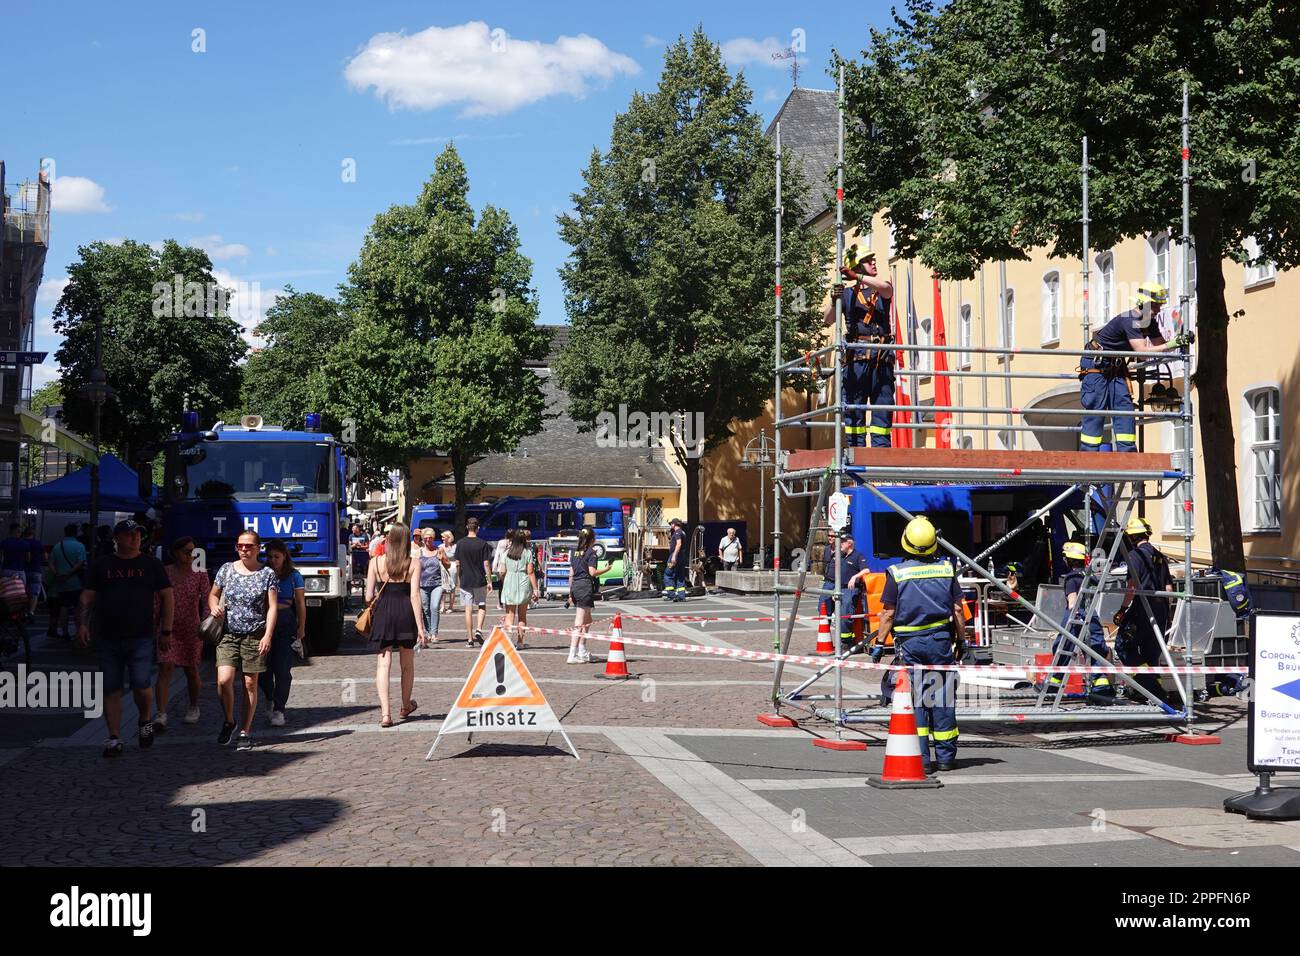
(500, 661)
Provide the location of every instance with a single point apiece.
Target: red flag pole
(942, 389)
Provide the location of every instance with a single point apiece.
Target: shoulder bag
(365, 618)
(212, 627)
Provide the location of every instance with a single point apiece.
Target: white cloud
(190, 216)
(51, 289)
(458, 137)
(77, 194)
(219, 249)
(649, 39)
(45, 373)
(745, 50)
(248, 303)
(485, 71)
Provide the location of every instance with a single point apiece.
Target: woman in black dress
(396, 619)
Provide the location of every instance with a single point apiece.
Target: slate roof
(560, 455)
(809, 133)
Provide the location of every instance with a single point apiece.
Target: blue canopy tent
(118, 490)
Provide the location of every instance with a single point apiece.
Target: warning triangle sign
(500, 695)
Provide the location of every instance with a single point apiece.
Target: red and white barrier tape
(867, 665)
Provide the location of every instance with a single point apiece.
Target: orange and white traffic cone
(825, 648)
(616, 661)
(904, 768)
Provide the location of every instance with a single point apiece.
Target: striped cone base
(616, 660)
(904, 769)
(825, 648)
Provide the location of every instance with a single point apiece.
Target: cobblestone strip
(762, 830)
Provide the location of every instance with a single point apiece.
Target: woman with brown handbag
(394, 616)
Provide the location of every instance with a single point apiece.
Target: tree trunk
(1218, 442)
(692, 466)
(459, 465)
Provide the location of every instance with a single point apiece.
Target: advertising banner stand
(1273, 734)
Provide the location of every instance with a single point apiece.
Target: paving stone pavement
(674, 771)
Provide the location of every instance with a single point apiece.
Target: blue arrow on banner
(1291, 689)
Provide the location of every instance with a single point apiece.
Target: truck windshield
(253, 470)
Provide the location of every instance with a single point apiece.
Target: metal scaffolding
(1125, 479)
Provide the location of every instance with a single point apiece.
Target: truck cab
(562, 518)
(442, 517)
(280, 483)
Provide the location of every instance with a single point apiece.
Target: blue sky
(241, 148)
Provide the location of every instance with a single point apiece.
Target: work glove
(1118, 619)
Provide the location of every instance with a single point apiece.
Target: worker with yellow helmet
(1148, 570)
(922, 605)
(1103, 380)
(1101, 689)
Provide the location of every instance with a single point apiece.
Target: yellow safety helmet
(1137, 526)
(1075, 551)
(919, 537)
(1151, 292)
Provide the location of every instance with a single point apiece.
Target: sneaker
(245, 741)
(478, 637)
(573, 660)
(146, 735)
(277, 718)
(160, 723)
(227, 731)
(191, 716)
(113, 748)
(584, 657)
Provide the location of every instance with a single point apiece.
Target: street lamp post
(758, 454)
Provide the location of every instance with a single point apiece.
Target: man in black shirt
(474, 571)
(119, 594)
(675, 566)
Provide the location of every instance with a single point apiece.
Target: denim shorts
(132, 655)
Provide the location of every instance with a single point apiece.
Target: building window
(965, 334)
(1160, 246)
(1264, 458)
(1106, 296)
(1258, 271)
(1176, 515)
(654, 512)
(1007, 323)
(1051, 308)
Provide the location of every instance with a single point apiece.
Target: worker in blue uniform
(922, 605)
(676, 564)
(1238, 592)
(851, 562)
(1136, 644)
(1103, 380)
(868, 374)
(1101, 689)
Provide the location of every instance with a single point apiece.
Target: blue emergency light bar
(312, 422)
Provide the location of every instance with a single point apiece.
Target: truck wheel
(325, 628)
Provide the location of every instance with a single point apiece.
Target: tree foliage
(160, 349)
(444, 322)
(669, 284)
(973, 114)
(284, 379)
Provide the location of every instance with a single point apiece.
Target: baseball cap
(676, 521)
(126, 526)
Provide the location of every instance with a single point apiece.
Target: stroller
(13, 627)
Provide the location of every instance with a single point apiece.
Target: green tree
(444, 322)
(669, 284)
(167, 339)
(972, 116)
(283, 380)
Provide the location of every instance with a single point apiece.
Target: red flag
(901, 437)
(942, 391)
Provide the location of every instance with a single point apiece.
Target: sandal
(387, 721)
(409, 709)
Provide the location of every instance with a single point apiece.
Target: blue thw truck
(280, 483)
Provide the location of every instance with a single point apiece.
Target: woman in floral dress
(190, 589)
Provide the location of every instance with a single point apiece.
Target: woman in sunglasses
(190, 589)
(249, 614)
